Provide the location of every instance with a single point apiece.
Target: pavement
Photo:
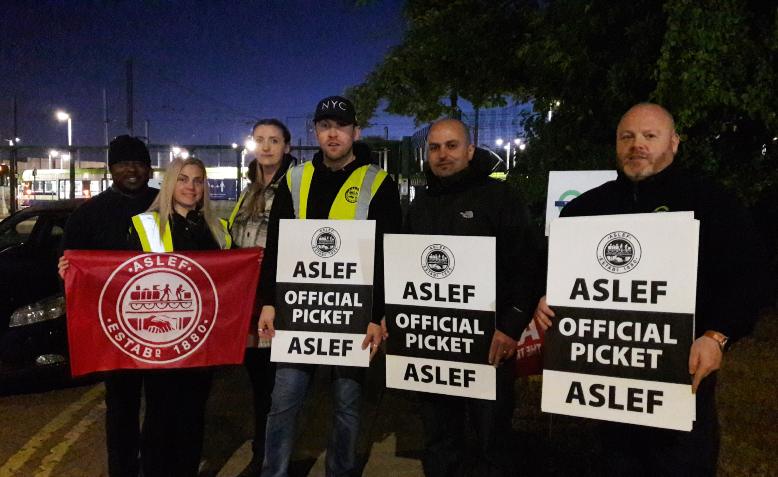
(390, 439)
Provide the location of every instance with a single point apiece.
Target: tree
(713, 64)
(442, 60)
(718, 73)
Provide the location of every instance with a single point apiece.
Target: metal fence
(31, 174)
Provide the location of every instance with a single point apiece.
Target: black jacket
(472, 203)
(325, 185)
(104, 222)
(729, 288)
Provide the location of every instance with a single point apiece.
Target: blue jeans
(291, 386)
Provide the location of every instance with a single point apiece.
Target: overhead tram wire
(203, 96)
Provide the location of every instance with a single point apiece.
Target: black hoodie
(325, 185)
(472, 203)
(730, 285)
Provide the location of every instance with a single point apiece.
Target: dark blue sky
(201, 68)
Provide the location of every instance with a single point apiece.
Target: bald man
(461, 199)
(727, 287)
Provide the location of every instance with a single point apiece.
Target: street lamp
(507, 146)
(62, 116)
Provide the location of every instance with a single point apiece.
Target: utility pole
(219, 151)
(130, 105)
(13, 159)
(105, 137)
(146, 128)
(475, 128)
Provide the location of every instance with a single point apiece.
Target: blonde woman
(179, 219)
(248, 227)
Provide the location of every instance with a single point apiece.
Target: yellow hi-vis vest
(147, 227)
(236, 209)
(353, 199)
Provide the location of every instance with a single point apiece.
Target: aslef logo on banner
(325, 242)
(619, 252)
(437, 261)
(159, 314)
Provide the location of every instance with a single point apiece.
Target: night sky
(201, 69)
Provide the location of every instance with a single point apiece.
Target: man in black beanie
(103, 223)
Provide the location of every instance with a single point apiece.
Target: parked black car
(33, 335)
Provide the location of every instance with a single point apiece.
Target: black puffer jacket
(472, 203)
(729, 279)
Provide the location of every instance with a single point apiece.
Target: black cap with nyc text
(337, 108)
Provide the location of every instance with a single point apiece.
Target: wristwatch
(719, 338)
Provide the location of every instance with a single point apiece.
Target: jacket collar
(657, 180)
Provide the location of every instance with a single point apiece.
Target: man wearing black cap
(103, 223)
(314, 190)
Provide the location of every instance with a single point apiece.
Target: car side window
(16, 233)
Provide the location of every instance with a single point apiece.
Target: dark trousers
(647, 451)
(122, 422)
(262, 374)
(445, 431)
(171, 439)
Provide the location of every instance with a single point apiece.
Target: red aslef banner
(158, 310)
(529, 351)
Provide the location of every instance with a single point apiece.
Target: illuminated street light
(234, 145)
(522, 146)
(499, 141)
(517, 141)
(250, 144)
(184, 154)
(62, 116)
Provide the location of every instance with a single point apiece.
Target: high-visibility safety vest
(353, 199)
(236, 209)
(147, 227)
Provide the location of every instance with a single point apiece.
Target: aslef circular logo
(325, 242)
(437, 261)
(158, 308)
(619, 252)
(352, 194)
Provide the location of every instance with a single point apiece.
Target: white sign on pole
(623, 288)
(564, 186)
(324, 291)
(440, 311)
